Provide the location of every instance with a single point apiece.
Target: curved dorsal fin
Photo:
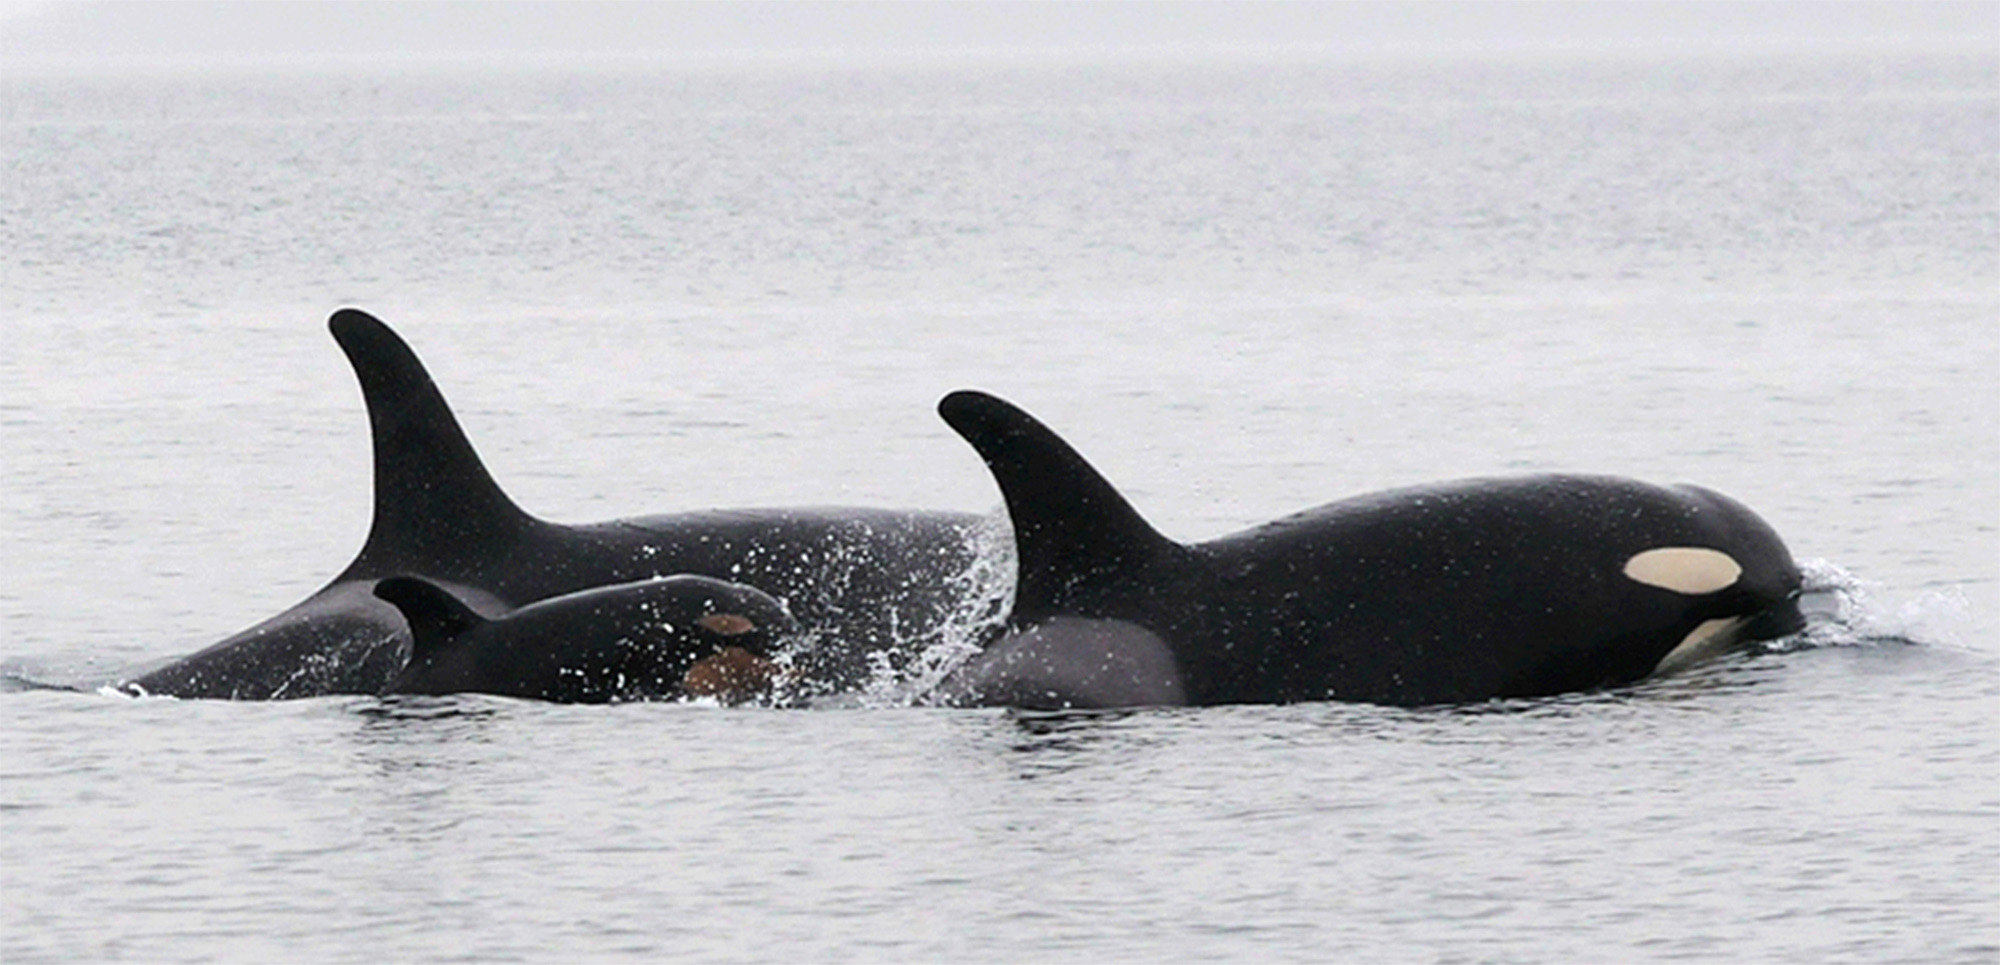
(1070, 525)
(436, 618)
(434, 500)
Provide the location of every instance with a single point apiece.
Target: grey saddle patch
(1070, 663)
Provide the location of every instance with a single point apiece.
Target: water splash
(939, 617)
(1845, 610)
(984, 589)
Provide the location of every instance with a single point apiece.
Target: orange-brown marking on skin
(727, 624)
(732, 676)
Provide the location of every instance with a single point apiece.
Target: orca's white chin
(1711, 639)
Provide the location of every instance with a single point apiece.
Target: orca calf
(861, 580)
(1456, 592)
(631, 641)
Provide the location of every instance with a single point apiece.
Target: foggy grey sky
(36, 35)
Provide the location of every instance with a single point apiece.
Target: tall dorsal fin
(434, 500)
(1070, 525)
(436, 618)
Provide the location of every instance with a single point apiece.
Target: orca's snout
(1781, 619)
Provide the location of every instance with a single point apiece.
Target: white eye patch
(1690, 570)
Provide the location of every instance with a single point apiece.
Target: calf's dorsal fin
(434, 500)
(435, 616)
(1071, 527)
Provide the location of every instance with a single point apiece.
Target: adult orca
(630, 641)
(1457, 592)
(861, 581)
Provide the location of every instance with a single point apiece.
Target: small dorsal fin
(435, 616)
(434, 499)
(1070, 525)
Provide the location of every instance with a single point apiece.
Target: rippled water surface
(1241, 290)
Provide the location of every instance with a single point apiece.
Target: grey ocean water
(1240, 288)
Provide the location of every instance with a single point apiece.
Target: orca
(626, 642)
(861, 581)
(1450, 593)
